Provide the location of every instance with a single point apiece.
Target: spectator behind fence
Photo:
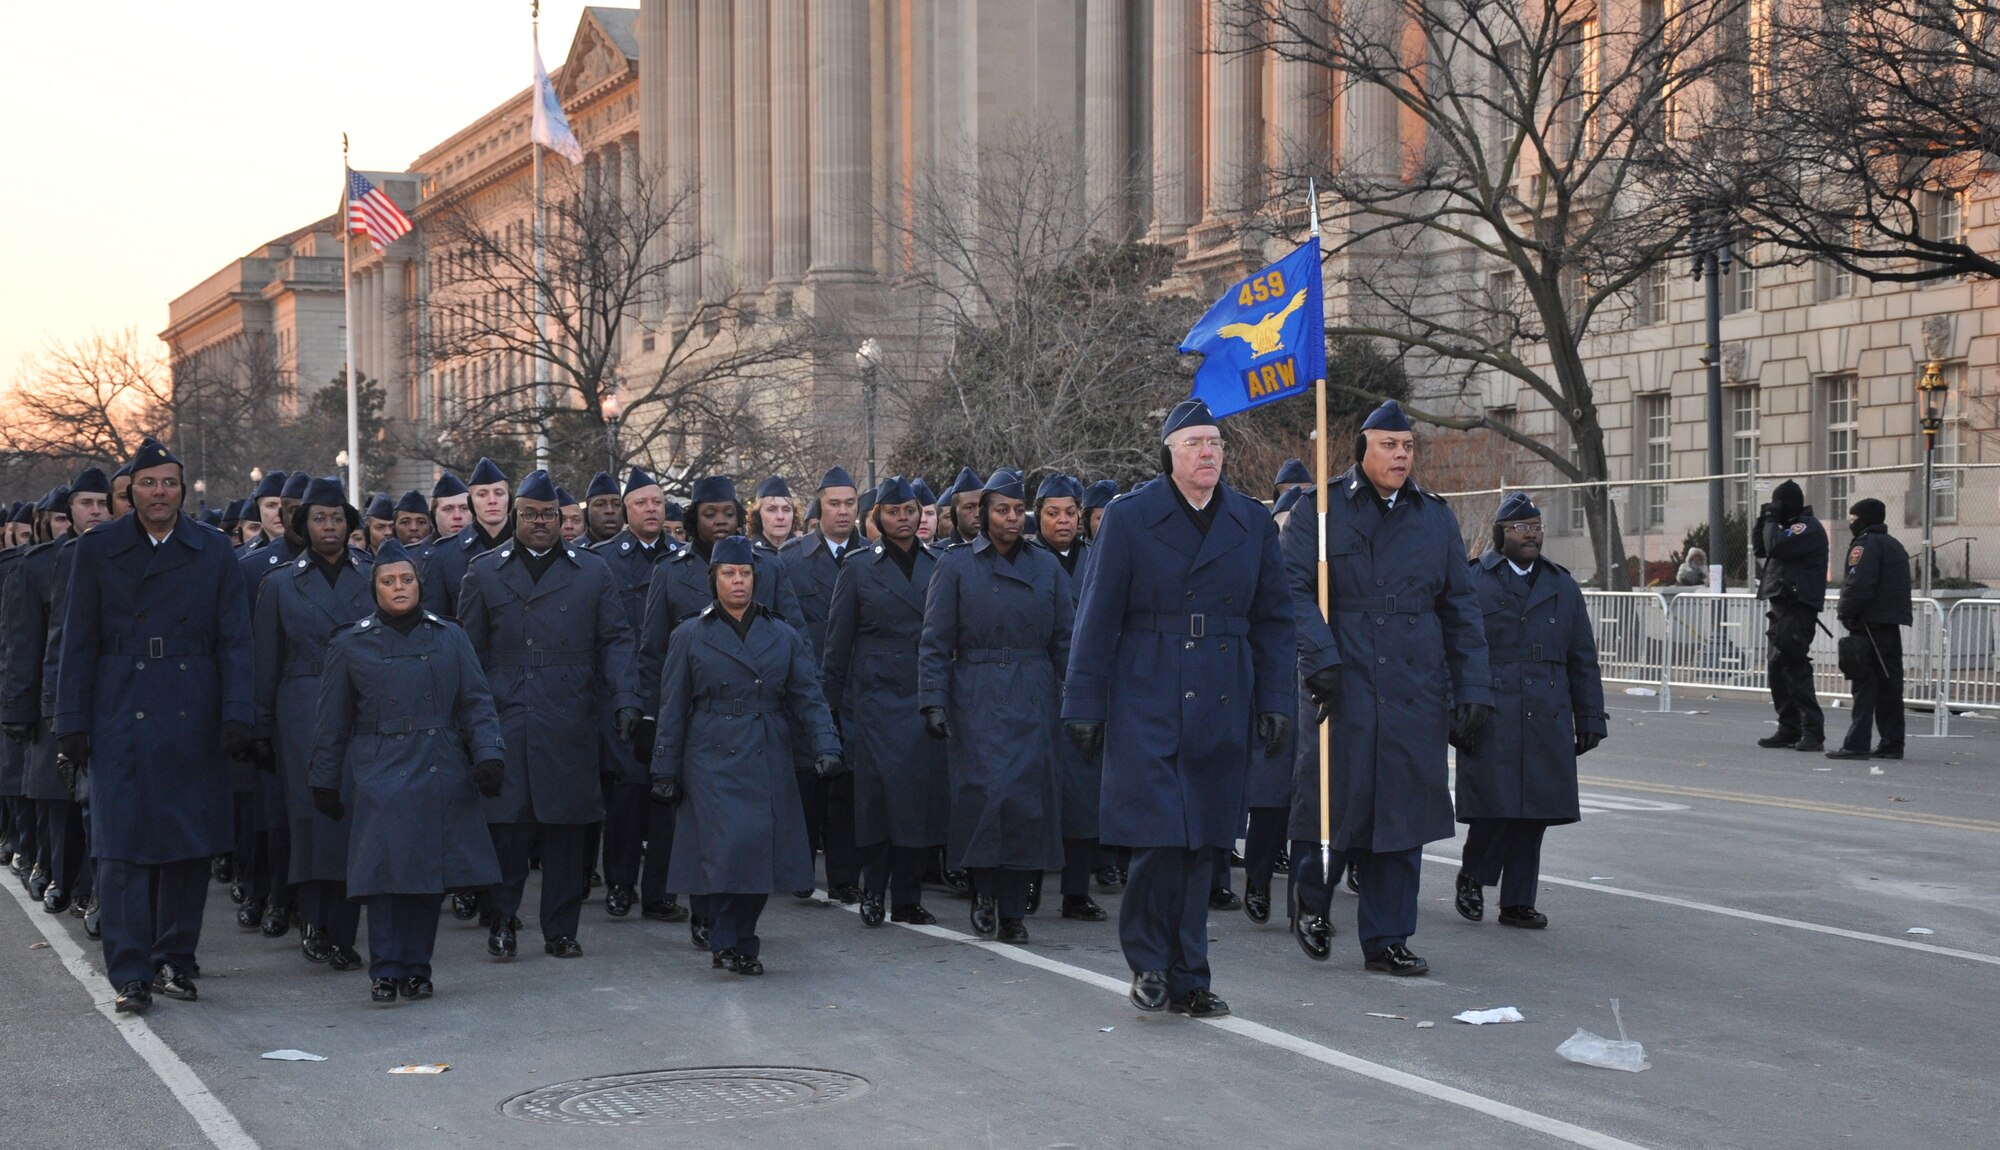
(1694, 569)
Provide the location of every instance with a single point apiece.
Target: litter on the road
(1920, 930)
(1877, 771)
(1484, 1017)
(1600, 878)
(425, 1068)
(1397, 1017)
(1425, 1025)
(290, 1055)
(1640, 691)
(1106, 1029)
(1610, 1053)
(38, 946)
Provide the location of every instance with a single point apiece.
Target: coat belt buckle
(156, 648)
(1390, 602)
(1537, 652)
(1197, 626)
(538, 658)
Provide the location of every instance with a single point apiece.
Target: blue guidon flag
(1265, 339)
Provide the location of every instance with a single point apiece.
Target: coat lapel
(719, 635)
(911, 590)
(1165, 521)
(334, 599)
(175, 552)
(560, 574)
(1226, 532)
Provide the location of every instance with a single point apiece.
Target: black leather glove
(642, 738)
(75, 747)
(829, 766)
(326, 800)
(935, 724)
(666, 792)
(626, 723)
(1089, 736)
(1467, 721)
(1272, 727)
(68, 771)
(487, 775)
(1324, 687)
(264, 755)
(1586, 741)
(23, 733)
(236, 739)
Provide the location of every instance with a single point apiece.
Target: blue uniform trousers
(1389, 880)
(17, 817)
(1506, 853)
(1079, 858)
(402, 933)
(61, 834)
(565, 870)
(150, 914)
(897, 870)
(326, 909)
(626, 806)
(1261, 845)
(829, 809)
(653, 888)
(732, 921)
(1006, 886)
(1163, 918)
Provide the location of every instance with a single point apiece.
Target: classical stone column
(364, 325)
(630, 156)
(1176, 117)
(1370, 130)
(652, 143)
(718, 149)
(683, 169)
(1107, 149)
(394, 347)
(1301, 139)
(791, 184)
(1233, 120)
(753, 144)
(840, 118)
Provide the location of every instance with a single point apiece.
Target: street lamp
(613, 409)
(1710, 241)
(256, 475)
(1930, 388)
(869, 360)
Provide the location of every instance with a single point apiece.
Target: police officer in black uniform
(1874, 606)
(1791, 577)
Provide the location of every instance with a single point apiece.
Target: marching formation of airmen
(400, 705)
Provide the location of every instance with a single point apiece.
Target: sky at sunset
(149, 143)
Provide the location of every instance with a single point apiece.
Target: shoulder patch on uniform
(569, 552)
(365, 624)
(1796, 529)
(303, 563)
(1854, 554)
(275, 560)
(625, 546)
(506, 553)
(878, 549)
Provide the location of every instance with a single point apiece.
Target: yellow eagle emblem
(1264, 336)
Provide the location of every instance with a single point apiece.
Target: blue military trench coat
(1182, 639)
(679, 590)
(155, 658)
(552, 651)
(733, 713)
(1546, 689)
(995, 643)
(631, 564)
(297, 615)
(812, 570)
(1082, 771)
(869, 672)
(13, 755)
(442, 575)
(1407, 636)
(30, 596)
(402, 719)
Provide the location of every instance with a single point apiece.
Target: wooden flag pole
(354, 492)
(1319, 532)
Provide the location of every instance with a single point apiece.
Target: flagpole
(541, 305)
(1319, 500)
(347, 334)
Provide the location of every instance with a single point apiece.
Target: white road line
(1753, 916)
(208, 1111)
(1256, 1032)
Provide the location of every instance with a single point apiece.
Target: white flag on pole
(550, 129)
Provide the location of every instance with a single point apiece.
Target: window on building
(1742, 403)
(1655, 424)
(1840, 406)
(1503, 308)
(1738, 288)
(1943, 217)
(1832, 281)
(1651, 292)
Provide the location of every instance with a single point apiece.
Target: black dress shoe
(1082, 908)
(1780, 739)
(465, 906)
(134, 998)
(1471, 900)
(1222, 898)
(1149, 990)
(38, 883)
(871, 909)
(1257, 905)
(563, 946)
(914, 914)
(725, 960)
(1888, 753)
(172, 981)
(315, 946)
(221, 869)
(238, 892)
(501, 941)
(343, 957)
(803, 895)
(79, 907)
(1397, 959)
(93, 922)
(1315, 935)
(698, 931)
(1107, 878)
(18, 863)
(1236, 858)
(1201, 1002)
(1283, 865)
(1014, 931)
(1353, 881)
(277, 922)
(54, 901)
(382, 990)
(668, 911)
(846, 894)
(985, 916)
(1844, 753)
(618, 901)
(749, 964)
(1034, 902)
(1810, 745)
(959, 881)
(595, 880)
(415, 986)
(1525, 917)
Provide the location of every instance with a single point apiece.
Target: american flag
(371, 213)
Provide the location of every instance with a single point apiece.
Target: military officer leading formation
(355, 717)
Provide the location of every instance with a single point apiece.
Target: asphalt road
(1748, 908)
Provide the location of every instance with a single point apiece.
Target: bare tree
(89, 401)
(1511, 172)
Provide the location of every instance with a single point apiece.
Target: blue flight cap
(920, 489)
(1292, 471)
(324, 492)
(413, 503)
(894, 490)
(212, 517)
(392, 551)
(125, 471)
(90, 481)
(674, 513)
(295, 485)
(272, 486)
(1056, 485)
(1388, 417)
(380, 508)
(1007, 483)
(447, 485)
(232, 511)
(23, 512)
(564, 498)
(152, 453)
(639, 481)
(862, 503)
(52, 498)
(1516, 506)
(774, 487)
(1186, 413)
(484, 472)
(1100, 494)
(968, 480)
(812, 509)
(712, 489)
(601, 485)
(734, 549)
(535, 485)
(836, 477)
(1289, 499)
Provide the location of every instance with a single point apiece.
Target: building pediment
(605, 49)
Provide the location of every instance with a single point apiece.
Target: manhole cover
(673, 1097)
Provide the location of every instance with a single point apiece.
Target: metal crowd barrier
(1970, 667)
(1632, 639)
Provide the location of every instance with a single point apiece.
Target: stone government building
(805, 123)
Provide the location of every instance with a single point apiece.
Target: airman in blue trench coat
(738, 693)
(155, 671)
(1519, 776)
(545, 619)
(1059, 531)
(446, 564)
(869, 673)
(17, 835)
(269, 868)
(298, 610)
(995, 644)
(1401, 668)
(30, 585)
(1181, 673)
(404, 713)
